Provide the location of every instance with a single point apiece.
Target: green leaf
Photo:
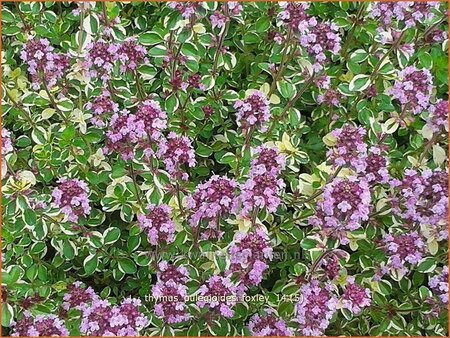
(150, 38)
(90, 263)
(359, 83)
(127, 266)
(111, 235)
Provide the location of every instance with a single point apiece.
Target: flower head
(316, 307)
(253, 112)
(268, 324)
(157, 224)
(355, 297)
(40, 326)
(72, 197)
(249, 254)
(413, 89)
(346, 203)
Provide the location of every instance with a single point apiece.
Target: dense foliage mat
(224, 168)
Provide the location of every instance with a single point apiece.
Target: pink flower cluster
(44, 64)
(331, 266)
(131, 55)
(262, 188)
(220, 295)
(40, 326)
(316, 307)
(249, 254)
(72, 197)
(253, 112)
(345, 204)
(424, 199)
(319, 38)
(376, 166)
(186, 9)
(402, 249)
(218, 19)
(267, 160)
(350, 148)
(176, 151)
(293, 15)
(413, 89)
(157, 224)
(439, 285)
(103, 319)
(102, 107)
(268, 324)
(355, 297)
(169, 293)
(127, 130)
(407, 12)
(78, 297)
(212, 200)
(331, 98)
(6, 143)
(150, 120)
(438, 119)
(100, 59)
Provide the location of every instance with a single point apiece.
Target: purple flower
(186, 9)
(413, 89)
(157, 224)
(212, 200)
(101, 58)
(121, 136)
(218, 19)
(376, 166)
(249, 254)
(40, 326)
(219, 294)
(409, 13)
(169, 293)
(131, 55)
(103, 319)
(350, 149)
(331, 98)
(318, 39)
(402, 249)
(78, 297)
(253, 113)
(355, 297)
(6, 143)
(268, 324)
(317, 306)
(438, 119)
(72, 197)
(43, 63)
(331, 266)
(424, 199)
(346, 203)
(149, 121)
(267, 160)
(436, 35)
(262, 189)
(176, 151)
(294, 15)
(102, 107)
(439, 285)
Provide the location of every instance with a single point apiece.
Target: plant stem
(133, 177)
(290, 104)
(278, 74)
(316, 263)
(25, 114)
